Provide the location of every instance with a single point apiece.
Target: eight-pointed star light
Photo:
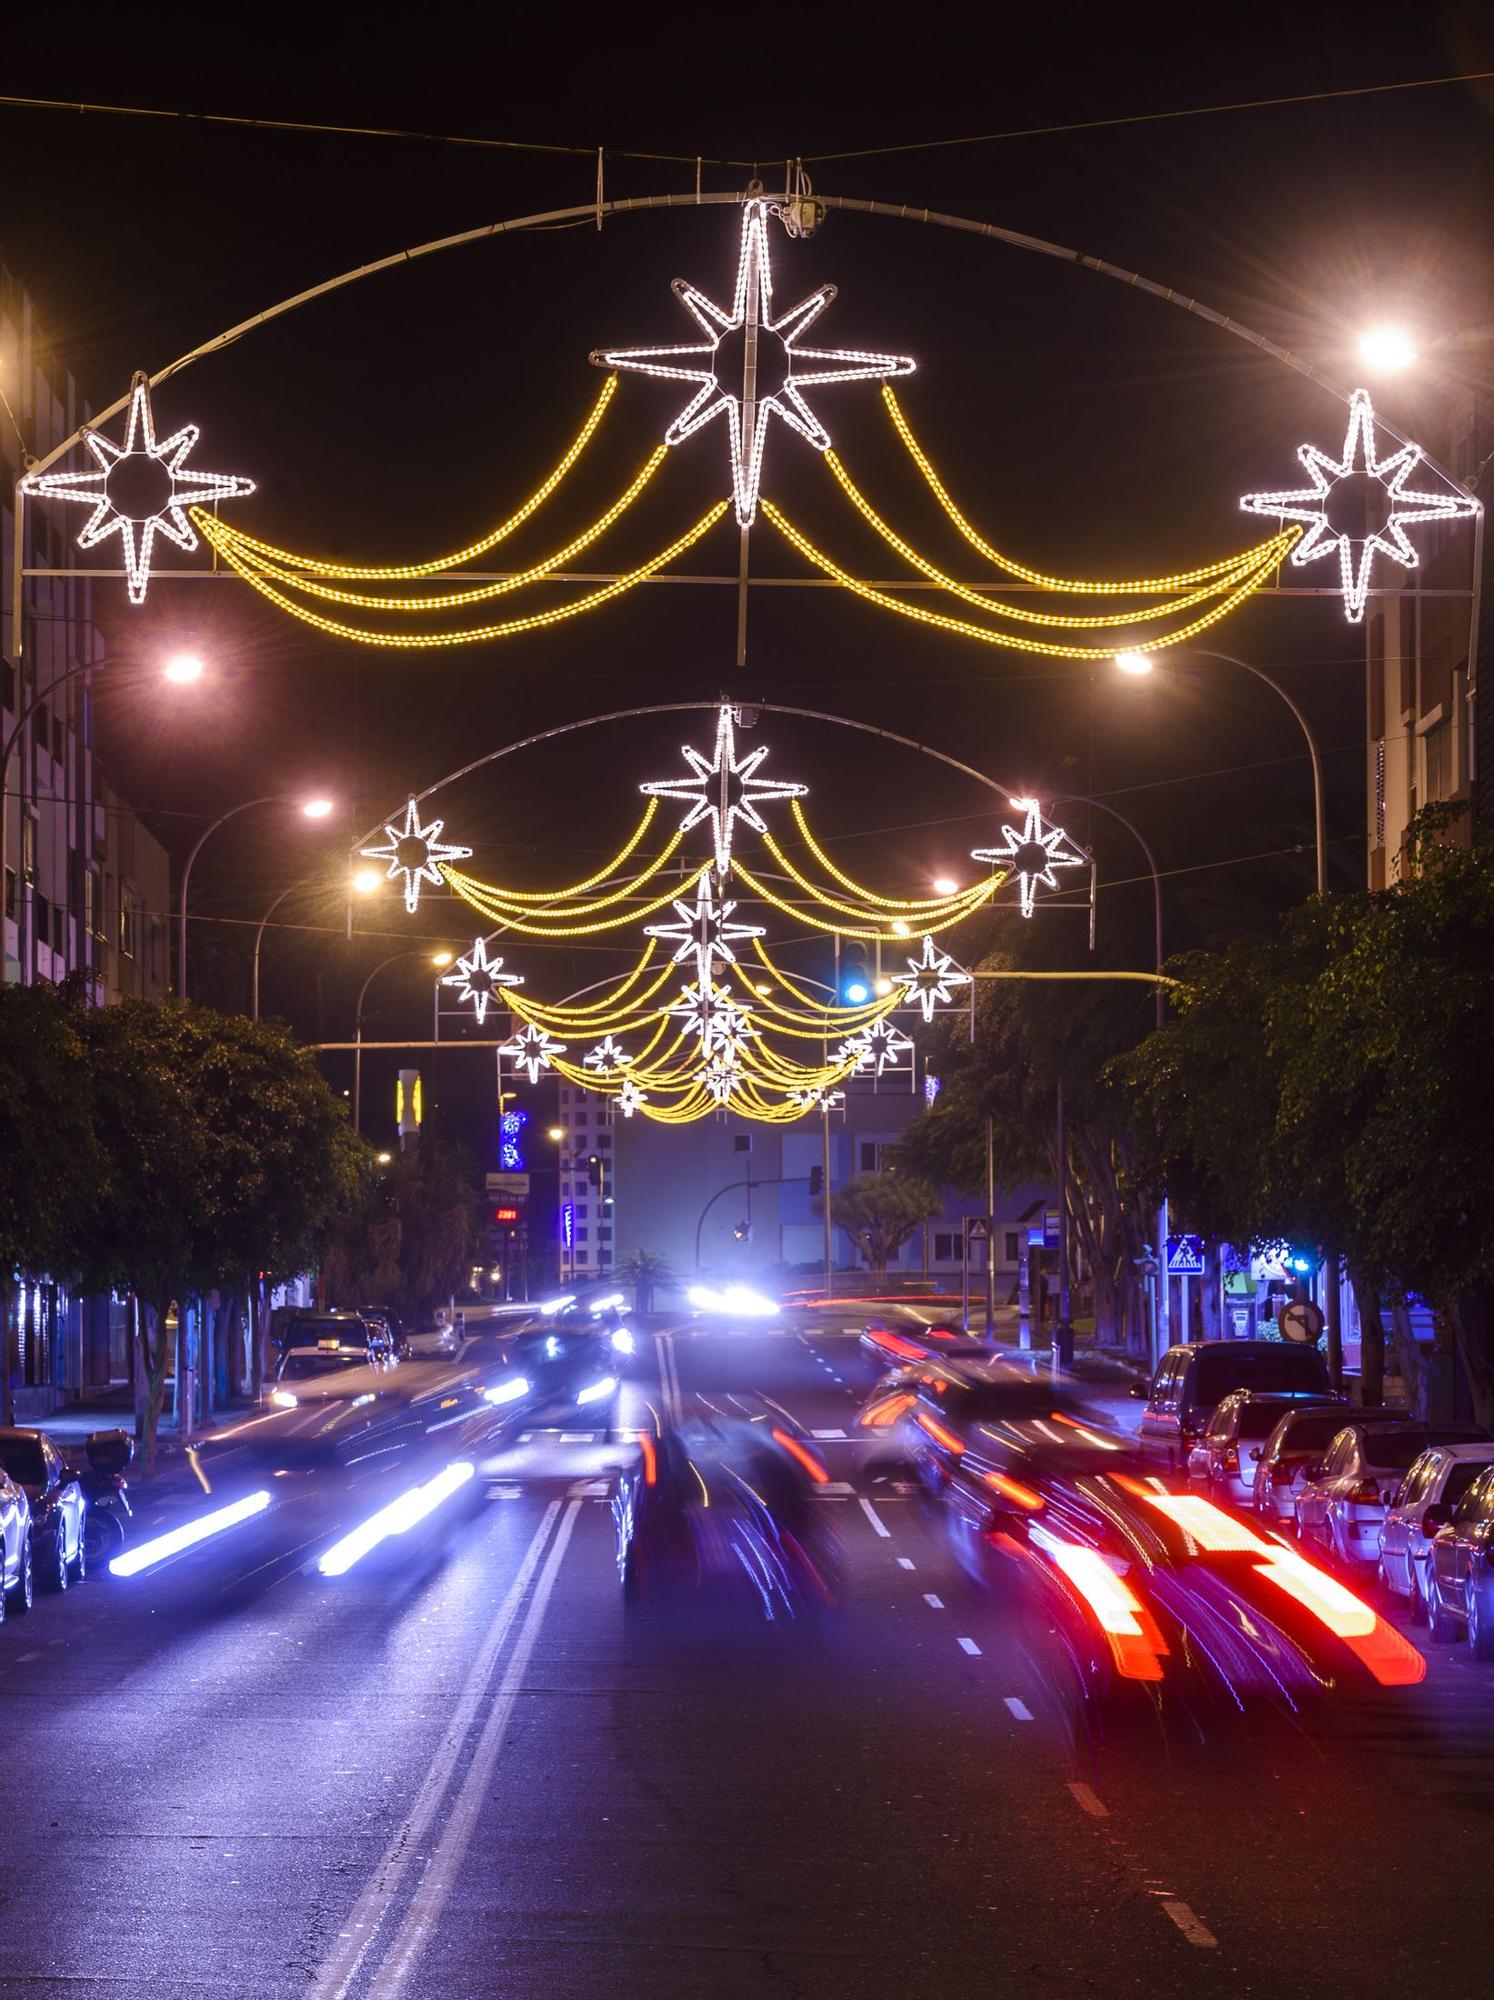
(704, 930)
(931, 979)
(750, 365)
(533, 1050)
(480, 978)
(724, 790)
(1031, 853)
(416, 852)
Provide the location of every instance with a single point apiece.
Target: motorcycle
(106, 1490)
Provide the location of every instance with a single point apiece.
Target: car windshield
(1311, 1433)
(1258, 1420)
(1263, 1368)
(1394, 1451)
(22, 1459)
(1459, 1480)
(296, 1367)
(307, 1332)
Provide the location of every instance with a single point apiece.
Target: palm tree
(646, 1269)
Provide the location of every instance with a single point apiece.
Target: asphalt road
(461, 1773)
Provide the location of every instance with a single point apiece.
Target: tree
(646, 1270)
(409, 1241)
(879, 1212)
(49, 1155)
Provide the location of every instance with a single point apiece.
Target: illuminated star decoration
(607, 1058)
(140, 489)
(416, 852)
(930, 980)
(817, 1100)
(533, 1050)
(1031, 854)
(876, 1047)
(1359, 505)
(750, 364)
(724, 790)
(721, 1075)
(705, 931)
(713, 1016)
(629, 1098)
(479, 978)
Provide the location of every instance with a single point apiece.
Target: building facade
(87, 889)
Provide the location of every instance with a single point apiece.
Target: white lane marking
(904, 1562)
(834, 1489)
(578, 1437)
(970, 1647)
(1018, 1707)
(1188, 1924)
(439, 1879)
(22, 1658)
(669, 1376)
(934, 1603)
(822, 1435)
(1090, 1800)
(876, 1520)
(339, 1969)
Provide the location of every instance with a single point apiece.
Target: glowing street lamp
(365, 881)
(313, 808)
(183, 668)
(1386, 350)
(945, 885)
(317, 808)
(1134, 663)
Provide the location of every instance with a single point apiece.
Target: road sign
(510, 1184)
(1185, 1256)
(1301, 1320)
(1050, 1228)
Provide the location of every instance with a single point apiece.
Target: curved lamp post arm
(1078, 798)
(259, 937)
(1319, 813)
(271, 798)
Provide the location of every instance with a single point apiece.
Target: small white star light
(1359, 505)
(479, 979)
(139, 490)
(817, 1100)
(533, 1050)
(721, 1075)
(713, 1017)
(1032, 853)
(930, 980)
(750, 364)
(607, 1058)
(704, 931)
(876, 1048)
(724, 790)
(416, 852)
(630, 1097)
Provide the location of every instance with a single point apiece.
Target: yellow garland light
(494, 895)
(1141, 586)
(403, 572)
(1011, 640)
(604, 874)
(905, 905)
(935, 916)
(469, 635)
(1021, 613)
(479, 592)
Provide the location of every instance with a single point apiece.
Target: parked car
(1227, 1456)
(1192, 1380)
(15, 1547)
(1423, 1504)
(1460, 1580)
(57, 1506)
(329, 1330)
(1301, 1437)
(1342, 1500)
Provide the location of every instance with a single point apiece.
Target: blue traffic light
(856, 991)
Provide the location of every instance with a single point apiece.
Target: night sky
(1082, 424)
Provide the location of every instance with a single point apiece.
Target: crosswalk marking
(969, 1646)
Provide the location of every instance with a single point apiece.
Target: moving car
(15, 1547)
(1342, 1500)
(1301, 1437)
(894, 1335)
(58, 1509)
(571, 1366)
(1460, 1580)
(335, 1329)
(1192, 1380)
(1228, 1455)
(305, 1364)
(1423, 1503)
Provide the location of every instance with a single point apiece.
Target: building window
(1441, 779)
(1013, 1247)
(604, 1140)
(581, 1232)
(8, 683)
(870, 1155)
(41, 919)
(129, 915)
(946, 1247)
(57, 738)
(58, 926)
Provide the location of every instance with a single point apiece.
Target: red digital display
(506, 1215)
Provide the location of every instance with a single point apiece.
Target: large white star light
(713, 1017)
(416, 852)
(931, 979)
(1031, 853)
(533, 1050)
(750, 364)
(704, 931)
(876, 1048)
(725, 790)
(139, 489)
(607, 1058)
(1359, 504)
(479, 979)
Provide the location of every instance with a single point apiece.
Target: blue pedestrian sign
(1185, 1256)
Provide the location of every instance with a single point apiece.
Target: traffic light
(856, 986)
(816, 1180)
(594, 1169)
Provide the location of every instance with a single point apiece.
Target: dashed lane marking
(934, 1603)
(969, 1646)
(904, 1562)
(1018, 1707)
(1189, 1925)
(823, 1435)
(876, 1520)
(1090, 1801)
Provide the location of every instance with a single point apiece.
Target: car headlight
(622, 1340)
(283, 1399)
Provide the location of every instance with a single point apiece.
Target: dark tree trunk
(1472, 1318)
(1371, 1342)
(1409, 1358)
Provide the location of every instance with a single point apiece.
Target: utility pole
(990, 1230)
(825, 1174)
(1063, 1333)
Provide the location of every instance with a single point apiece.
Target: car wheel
(54, 1570)
(3, 1592)
(23, 1591)
(80, 1556)
(1480, 1625)
(102, 1536)
(1417, 1613)
(1444, 1627)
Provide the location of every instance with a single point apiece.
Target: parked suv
(1192, 1380)
(1424, 1503)
(15, 1547)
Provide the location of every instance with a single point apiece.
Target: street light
(365, 882)
(174, 670)
(1134, 663)
(183, 668)
(556, 1133)
(438, 959)
(317, 808)
(945, 885)
(1386, 350)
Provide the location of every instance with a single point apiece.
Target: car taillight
(1229, 1458)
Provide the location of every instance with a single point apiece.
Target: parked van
(1192, 1380)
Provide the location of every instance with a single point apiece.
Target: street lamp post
(436, 958)
(310, 808)
(259, 939)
